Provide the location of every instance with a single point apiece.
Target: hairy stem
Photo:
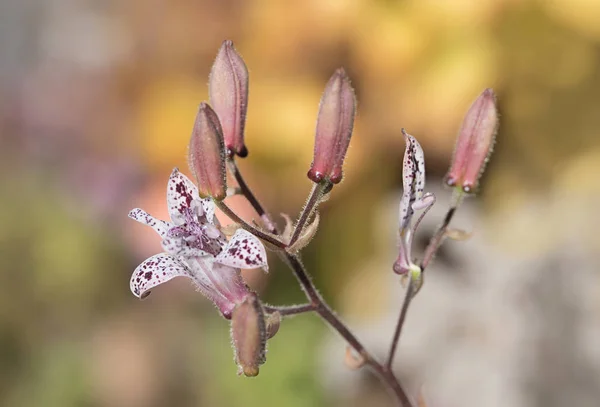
(311, 204)
(247, 192)
(324, 310)
(245, 225)
(438, 237)
(317, 302)
(286, 310)
(407, 299)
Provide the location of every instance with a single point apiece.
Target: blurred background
(97, 102)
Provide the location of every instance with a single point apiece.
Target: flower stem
(322, 308)
(255, 231)
(247, 192)
(290, 309)
(385, 373)
(311, 204)
(407, 299)
(438, 237)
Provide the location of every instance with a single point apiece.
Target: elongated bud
(249, 335)
(475, 143)
(334, 128)
(207, 154)
(228, 93)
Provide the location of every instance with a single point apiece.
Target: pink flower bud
(207, 154)
(228, 93)
(334, 128)
(249, 335)
(475, 142)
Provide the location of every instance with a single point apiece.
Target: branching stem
(317, 302)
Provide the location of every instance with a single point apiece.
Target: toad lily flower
(413, 198)
(196, 248)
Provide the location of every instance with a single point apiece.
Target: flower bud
(228, 93)
(475, 142)
(249, 335)
(207, 154)
(334, 128)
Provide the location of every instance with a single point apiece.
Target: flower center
(197, 233)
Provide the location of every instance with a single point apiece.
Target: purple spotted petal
(154, 271)
(208, 206)
(160, 226)
(181, 192)
(244, 250)
(413, 178)
(176, 246)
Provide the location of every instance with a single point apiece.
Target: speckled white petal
(154, 271)
(180, 194)
(209, 210)
(176, 247)
(243, 250)
(160, 226)
(413, 178)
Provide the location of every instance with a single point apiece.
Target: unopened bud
(249, 335)
(334, 129)
(228, 93)
(475, 142)
(207, 154)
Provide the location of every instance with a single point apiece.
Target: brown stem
(255, 231)
(437, 239)
(289, 309)
(311, 204)
(247, 192)
(385, 374)
(407, 299)
(322, 308)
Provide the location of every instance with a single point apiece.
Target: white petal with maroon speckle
(413, 178)
(176, 246)
(245, 251)
(180, 194)
(154, 271)
(160, 226)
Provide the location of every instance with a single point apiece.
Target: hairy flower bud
(249, 335)
(475, 142)
(334, 128)
(228, 93)
(207, 154)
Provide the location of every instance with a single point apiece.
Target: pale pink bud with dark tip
(228, 93)
(475, 143)
(249, 335)
(207, 154)
(334, 128)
